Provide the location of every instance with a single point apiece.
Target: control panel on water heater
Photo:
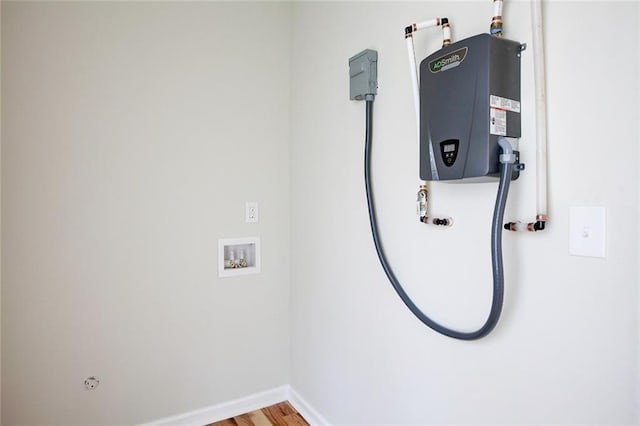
(449, 151)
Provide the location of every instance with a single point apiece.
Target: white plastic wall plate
(251, 212)
(587, 231)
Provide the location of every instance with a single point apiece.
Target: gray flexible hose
(496, 240)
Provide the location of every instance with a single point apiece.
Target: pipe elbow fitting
(539, 225)
(408, 31)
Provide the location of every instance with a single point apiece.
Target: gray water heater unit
(469, 96)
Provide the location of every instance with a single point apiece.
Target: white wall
(133, 133)
(565, 350)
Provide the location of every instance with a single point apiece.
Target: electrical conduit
(507, 160)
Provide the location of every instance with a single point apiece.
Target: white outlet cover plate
(587, 231)
(251, 212)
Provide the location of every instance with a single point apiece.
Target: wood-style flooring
(282, 414)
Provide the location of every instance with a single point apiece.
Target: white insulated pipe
(426, 24)
(496, 22)
(497, 8)
(446, 34)
(540, 85)
(413, 66)
(414, 82)
(541, 109)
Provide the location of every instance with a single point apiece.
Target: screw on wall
(91, 383)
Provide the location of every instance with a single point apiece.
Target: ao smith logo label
(448, 61)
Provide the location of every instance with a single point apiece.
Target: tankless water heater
(469, 96)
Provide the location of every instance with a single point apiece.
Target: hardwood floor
(282, 414)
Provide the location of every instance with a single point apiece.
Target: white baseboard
(239, 406)
(305, 409)
(226, 410)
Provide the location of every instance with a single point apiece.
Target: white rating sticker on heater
(498, 123)
(504, 103)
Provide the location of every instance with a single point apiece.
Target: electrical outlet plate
(587, 229)
(251, 212)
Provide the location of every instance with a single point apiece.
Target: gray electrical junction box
(469, 96)
(363, 74)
